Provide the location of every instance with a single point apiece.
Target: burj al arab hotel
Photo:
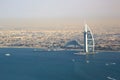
(89, 44)
(88, 40)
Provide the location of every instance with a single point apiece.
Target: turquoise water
(25, 64)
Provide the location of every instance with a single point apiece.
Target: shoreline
(41, 48)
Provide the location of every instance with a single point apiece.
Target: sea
(27, 64)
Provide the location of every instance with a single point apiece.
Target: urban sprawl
(48, 38)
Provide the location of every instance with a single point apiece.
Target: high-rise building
(88, 40)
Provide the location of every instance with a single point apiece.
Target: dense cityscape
(48, 38)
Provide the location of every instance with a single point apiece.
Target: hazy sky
(17, 10)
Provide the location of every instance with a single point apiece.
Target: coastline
(41, 48)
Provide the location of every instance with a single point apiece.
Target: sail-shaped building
(89, 44)
(88, 40)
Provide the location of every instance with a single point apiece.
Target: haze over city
(59, 14)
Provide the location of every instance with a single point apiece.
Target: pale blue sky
(59, 8)
(59, 13)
